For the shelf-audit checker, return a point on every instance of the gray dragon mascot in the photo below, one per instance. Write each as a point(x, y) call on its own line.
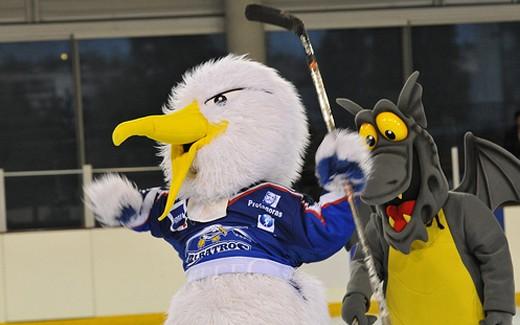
point(442, 255)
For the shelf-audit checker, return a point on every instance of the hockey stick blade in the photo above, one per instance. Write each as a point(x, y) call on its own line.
point(273, 16)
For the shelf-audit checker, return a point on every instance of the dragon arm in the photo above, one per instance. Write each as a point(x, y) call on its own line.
point(359, 281)
point(488, 244)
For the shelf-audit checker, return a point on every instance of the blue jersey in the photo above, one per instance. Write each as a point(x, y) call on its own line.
point(267, 222)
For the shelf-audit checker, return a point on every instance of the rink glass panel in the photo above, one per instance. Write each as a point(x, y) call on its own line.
point(121, 79)
point(470, 74)
point(37, 132)
point(363, 65)
point(44, 202)
point(37, 122)
point(127, 78)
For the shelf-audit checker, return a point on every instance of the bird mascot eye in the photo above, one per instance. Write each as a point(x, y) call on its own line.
point(391, 126)
point(368, 132)
point(220, 100)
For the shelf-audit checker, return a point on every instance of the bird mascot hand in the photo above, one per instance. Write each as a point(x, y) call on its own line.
point(497, 318)
point(342, 157)
point(115, 201)
point(355, 307)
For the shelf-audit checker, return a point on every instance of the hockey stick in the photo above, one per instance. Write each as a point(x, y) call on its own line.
point(285, 20)
point(292, 23)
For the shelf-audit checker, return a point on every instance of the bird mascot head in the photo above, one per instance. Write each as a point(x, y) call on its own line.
point(230, 123)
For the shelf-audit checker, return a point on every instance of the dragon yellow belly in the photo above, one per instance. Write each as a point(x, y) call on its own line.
point(431, 285)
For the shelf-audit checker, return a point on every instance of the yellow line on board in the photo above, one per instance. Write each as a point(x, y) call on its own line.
point(146, 319)
point(158, 319)
point(335, 309)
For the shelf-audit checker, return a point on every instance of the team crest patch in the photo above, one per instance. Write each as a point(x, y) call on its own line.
point(271, 199)
point(265, 222)
point(216, 239)
point(178, 216)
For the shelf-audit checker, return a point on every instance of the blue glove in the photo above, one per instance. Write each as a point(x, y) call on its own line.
point(127, 215)
point(341, 158)
point(114, 200)
point(132, 218)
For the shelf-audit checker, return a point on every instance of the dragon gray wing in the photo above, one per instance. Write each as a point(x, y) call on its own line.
point(491, 172)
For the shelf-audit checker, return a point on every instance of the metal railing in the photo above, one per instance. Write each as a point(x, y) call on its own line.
point(88, 172)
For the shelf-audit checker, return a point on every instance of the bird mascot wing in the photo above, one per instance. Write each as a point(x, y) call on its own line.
point(491, 172)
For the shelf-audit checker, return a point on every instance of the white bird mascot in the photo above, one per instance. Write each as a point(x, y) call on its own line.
point(232, 139)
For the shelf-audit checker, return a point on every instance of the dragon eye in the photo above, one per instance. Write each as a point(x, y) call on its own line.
point(391, 126)
point(220, 100)
point(368, 132)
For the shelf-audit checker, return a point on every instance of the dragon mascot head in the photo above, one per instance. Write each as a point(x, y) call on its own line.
point(406, 164)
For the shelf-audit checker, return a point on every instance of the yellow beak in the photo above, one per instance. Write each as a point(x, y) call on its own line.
point(185, 126)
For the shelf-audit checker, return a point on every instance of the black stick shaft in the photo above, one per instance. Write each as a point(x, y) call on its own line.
point(275, 17)
point(317, 80)
point(285, 20)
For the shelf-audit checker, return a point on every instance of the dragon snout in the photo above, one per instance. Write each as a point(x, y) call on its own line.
point(389, 178)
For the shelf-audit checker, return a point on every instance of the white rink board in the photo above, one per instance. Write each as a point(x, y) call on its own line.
point(103, 272)
point(48, 275)
point(512, 228)
point(134, 273)
point(333, 273)
point(2, 288)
